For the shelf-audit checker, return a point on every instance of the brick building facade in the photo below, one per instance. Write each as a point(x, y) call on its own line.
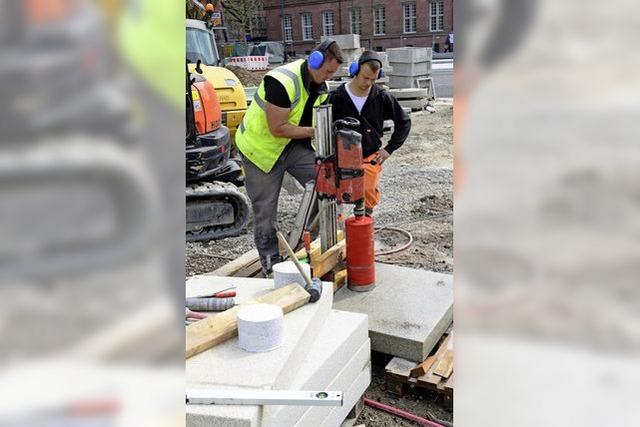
point(381, 24)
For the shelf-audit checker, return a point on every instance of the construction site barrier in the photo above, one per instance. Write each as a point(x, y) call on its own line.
point(251, 63)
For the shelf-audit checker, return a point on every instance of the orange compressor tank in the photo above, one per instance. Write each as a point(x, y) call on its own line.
point(361, 273)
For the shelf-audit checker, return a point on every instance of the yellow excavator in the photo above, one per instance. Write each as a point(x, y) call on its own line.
point(201, 45)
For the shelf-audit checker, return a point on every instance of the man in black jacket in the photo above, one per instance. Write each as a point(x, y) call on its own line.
point(362, 99)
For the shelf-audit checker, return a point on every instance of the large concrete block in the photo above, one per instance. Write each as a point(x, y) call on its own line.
point(409, 93)
point(353, 383)
point(409, 54)
point(343, 342)
point(350, 55)
point(384, 58)
point(408, 310)
point(413, 104)
point(410, 69)
point(223, 416)
point(337, 415)
point(397, 82)
point(345, 41)
point(228, 366)
point(333, 417)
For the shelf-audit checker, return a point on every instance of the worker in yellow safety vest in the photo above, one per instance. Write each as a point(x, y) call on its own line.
point(275, 135)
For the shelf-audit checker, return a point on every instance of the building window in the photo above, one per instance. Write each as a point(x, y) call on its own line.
point(307, 27)
point(355, 21)
point(327, 23)
point(378, 21)
point(288, 29)
point(437, 16)
point(409, 17)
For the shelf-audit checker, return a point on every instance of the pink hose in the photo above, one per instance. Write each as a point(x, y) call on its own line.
point(399, 412)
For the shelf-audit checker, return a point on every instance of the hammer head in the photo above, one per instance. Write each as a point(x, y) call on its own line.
point(314, 290)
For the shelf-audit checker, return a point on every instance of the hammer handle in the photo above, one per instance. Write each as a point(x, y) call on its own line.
point(293, 257)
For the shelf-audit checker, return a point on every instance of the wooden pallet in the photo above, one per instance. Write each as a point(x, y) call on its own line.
point(435, 373)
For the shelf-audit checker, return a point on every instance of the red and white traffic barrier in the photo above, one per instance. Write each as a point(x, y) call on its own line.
point(251, 63)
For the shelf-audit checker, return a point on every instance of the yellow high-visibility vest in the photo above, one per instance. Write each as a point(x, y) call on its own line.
point(253, 138)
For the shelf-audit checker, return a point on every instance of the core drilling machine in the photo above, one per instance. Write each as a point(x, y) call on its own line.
point(340, 180)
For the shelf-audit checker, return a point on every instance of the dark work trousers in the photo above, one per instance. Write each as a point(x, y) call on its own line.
point(264, 189)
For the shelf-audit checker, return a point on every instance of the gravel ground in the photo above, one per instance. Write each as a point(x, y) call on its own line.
point(417, 196)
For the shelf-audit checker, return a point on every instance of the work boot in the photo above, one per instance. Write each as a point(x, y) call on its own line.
point(368, 212)
point(268, 262)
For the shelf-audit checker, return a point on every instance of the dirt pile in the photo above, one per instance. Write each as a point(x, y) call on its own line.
point(246, 77)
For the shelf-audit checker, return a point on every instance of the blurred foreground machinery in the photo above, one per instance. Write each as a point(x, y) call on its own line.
point(74, 197)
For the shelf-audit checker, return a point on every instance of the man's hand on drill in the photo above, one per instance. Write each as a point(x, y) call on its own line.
point(381, 156)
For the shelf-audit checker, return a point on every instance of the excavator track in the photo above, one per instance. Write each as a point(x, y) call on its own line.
point(215, 210)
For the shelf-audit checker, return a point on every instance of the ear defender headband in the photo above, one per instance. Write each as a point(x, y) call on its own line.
point(316, 59)
point(354, 67)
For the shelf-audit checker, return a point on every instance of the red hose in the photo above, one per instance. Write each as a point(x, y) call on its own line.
point(399, 412)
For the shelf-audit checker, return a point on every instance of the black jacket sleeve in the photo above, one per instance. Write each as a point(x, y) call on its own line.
point(401, 122)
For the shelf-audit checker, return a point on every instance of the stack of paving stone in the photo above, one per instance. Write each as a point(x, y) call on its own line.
point(323, 349)
point(351, 51)
point(411, 98)
point(411, 68)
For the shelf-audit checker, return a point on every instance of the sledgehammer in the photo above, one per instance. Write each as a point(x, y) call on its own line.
point(314, 286)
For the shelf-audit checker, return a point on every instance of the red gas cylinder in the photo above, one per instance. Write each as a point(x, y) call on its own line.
point(361, 271)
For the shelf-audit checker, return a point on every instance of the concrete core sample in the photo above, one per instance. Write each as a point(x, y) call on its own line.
point(408, 310)
point(260, 327)
point(285, 273)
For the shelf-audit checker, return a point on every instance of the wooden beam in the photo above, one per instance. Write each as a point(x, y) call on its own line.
point(207, 333)
point(430, 377)
point(328, 260)
point(423, 368)
point(445, 365)
point(339, 280)
point(315, 247)
point(232, 267)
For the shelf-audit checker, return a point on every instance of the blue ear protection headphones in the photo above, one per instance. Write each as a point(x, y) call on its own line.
point(316, 59)
point(354, 67)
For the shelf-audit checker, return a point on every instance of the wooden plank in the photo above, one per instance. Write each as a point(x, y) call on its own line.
point(252, 270)
point(430, 377)
point(328, 260)
point(445, 365)
point(315, 247)
point(422, 368)
point(232, 267)
point(340, 280)
point(207, 333)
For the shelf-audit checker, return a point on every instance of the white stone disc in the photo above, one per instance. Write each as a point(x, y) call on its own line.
point(260, 327)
